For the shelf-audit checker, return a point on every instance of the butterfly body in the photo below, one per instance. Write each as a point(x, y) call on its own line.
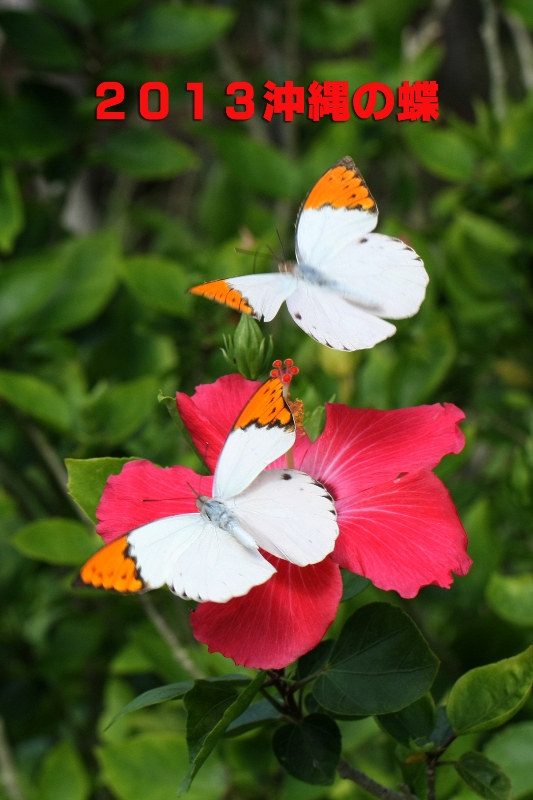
point(346, 281)
point(218, 513)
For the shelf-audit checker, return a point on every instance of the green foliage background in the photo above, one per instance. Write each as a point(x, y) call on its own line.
point(104, 225)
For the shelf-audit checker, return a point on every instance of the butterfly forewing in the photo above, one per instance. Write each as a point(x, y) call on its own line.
point(263, 432)
point(257, 295)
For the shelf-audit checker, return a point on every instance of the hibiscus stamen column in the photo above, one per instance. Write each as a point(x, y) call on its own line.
point(285, 371)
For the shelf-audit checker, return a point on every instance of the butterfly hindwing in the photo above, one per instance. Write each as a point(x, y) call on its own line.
point(263, 431)
point(112, 567)
point(334, 322)
point(289, 514)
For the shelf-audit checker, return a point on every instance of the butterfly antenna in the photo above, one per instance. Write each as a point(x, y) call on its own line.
point(193, 490)
point(281, 243)
point(205, 462)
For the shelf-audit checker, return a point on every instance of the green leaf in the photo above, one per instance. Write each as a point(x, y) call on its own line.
point(29, 129)
point(255, 715)
point(257, 165)
point(73, 10)
point(25, 286)
point(119, 411)
point(512, 749)
point(63, 775)
point(425, 365)
point(11, 209)
point(521, 7)
point(159, 283)
point(146, 154)
point(56, 541)
point(380, 664)
point(88, 279)
point(105, 11)
point(511, 597)
point(484, 777)
point(442, 733)
point(443, 153)
point(334, 26)
point(413, 722)
point(309, 750)
point(487, 697)
point(315, 660)
point(211, 707)
point(172, 691)
point(39, 40)
point(36, 398)
point(87, 479)
point(149, 766)
point(175, 29)
point(352, 584)
point(314, 424)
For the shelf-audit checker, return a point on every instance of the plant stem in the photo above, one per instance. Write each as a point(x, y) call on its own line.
point(489, 35)
point(350, 773)
point(431, 775)
point(54, 466)
point(8, 770)
point(180, 653)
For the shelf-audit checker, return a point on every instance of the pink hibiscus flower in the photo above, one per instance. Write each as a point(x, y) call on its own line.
point(398, 525)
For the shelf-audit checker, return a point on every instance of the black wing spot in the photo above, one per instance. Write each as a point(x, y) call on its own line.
point(286, 477)
point(362, 241)
point(298, 315)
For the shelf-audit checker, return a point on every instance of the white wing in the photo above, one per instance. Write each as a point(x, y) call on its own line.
point(289, 514)
point(264, 431)
point(335, 322)
point(380, 273)
point(196, 559)
point(258, 295)
point(323, 232)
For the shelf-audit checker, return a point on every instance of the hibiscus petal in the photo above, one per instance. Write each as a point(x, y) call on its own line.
point(211, 413)
point(142, 493)
point(212, 410)
point(362, 447)
point(277, 622)
point(403, 534)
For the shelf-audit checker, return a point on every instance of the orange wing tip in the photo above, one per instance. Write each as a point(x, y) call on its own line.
point(342, 186)
point(112, 568)
point(221, 292)
point(267, 408)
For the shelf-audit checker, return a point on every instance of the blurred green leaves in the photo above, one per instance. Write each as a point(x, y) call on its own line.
point(160, 283)
point(64, 775)
point(146, 153)
point(56, 541)
point(168, 29)
point(11, 209)
point(39, 40)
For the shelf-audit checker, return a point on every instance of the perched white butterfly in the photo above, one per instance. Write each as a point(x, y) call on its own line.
point(214, 554)
point(345, 279)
